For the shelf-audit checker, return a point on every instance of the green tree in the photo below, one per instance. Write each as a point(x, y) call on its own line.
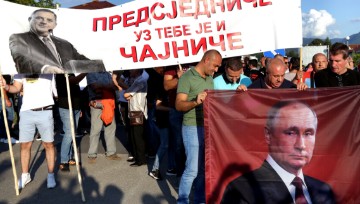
point(292, 53)
point(39, 3)
point(317, 41)
point(327, 42)
point(356, 58)
point(259, 55)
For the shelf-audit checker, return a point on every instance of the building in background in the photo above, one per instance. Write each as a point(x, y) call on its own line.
point(95, 4)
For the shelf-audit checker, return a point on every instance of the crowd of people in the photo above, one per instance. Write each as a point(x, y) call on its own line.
point(169, 100)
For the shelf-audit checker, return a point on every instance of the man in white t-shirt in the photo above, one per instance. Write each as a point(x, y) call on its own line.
point(35, 112)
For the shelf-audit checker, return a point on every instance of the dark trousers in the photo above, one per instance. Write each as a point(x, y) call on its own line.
point(124, 112)
point(138, 142)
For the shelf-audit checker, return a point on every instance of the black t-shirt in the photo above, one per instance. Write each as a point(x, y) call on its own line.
point(155, 84)
point(327, 78)
point(159, 93)
point(260, 84)
point(162, 116)
point(62, 92)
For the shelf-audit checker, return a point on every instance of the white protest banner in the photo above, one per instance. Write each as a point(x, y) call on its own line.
point(161, 33)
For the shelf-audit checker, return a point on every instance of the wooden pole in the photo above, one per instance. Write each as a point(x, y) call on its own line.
point(180, 67)
point(9, 138)
point(73, 137)
point(301, 64)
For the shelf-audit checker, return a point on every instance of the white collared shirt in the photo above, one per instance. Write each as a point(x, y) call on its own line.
point(50, 40)
point(287, 178)
point(52, 45)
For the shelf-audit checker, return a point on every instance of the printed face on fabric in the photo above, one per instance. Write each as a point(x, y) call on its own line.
point(41, 22)
point(291, 139)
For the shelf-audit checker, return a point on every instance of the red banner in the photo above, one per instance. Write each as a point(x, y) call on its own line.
point(235, 139)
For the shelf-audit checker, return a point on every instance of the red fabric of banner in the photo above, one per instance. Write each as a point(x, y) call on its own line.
point(235, 143)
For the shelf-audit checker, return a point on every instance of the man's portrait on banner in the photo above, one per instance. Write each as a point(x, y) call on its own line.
point(38, 51)
point(290, 134)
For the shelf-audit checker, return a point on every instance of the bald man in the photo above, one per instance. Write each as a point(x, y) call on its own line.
point(274, 79)
point(319, 62)
point(189, 99)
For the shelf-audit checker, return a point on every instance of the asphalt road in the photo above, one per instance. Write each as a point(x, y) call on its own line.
point(108, 182)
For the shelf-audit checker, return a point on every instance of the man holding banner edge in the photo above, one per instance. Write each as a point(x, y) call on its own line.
point(189, 99)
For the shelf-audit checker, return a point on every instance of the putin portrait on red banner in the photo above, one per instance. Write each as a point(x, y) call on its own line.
point(290, 132)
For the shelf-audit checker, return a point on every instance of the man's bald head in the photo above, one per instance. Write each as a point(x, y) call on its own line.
point(210, 63)
point(275, 70)
point(319, 62)
point(275, 64)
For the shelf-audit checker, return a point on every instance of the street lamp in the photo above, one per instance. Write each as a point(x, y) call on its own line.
point(347, 40)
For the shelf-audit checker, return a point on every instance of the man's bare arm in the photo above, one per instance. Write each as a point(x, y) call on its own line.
point(182, 103)
point(170, 82)
point(14, 88)
point(77, 79)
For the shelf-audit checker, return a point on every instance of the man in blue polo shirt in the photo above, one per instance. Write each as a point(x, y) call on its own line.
point(233, 76)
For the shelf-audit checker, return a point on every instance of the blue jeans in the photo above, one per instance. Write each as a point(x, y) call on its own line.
point(176, 141)
point(164, 146)
point(10, 118)
point(10, 111)
point(66, 148)
point(152, 131)
point(194, 173)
